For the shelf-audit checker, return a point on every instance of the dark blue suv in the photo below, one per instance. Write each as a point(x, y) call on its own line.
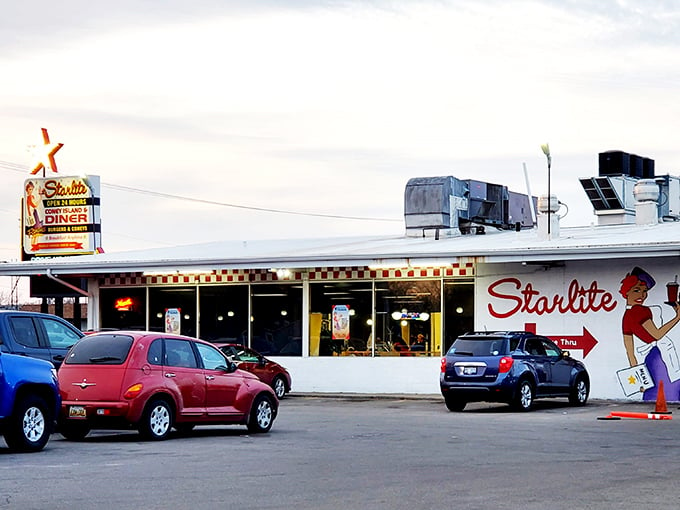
point(514, 367)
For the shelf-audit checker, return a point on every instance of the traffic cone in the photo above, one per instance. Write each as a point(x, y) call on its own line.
point(661, 407)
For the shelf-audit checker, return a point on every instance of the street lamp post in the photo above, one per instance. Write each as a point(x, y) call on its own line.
point(546, 150)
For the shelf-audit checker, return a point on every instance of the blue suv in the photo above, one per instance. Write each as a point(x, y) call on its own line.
point(514, 367)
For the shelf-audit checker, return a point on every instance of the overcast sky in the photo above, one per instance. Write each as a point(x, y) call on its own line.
point(325, 107)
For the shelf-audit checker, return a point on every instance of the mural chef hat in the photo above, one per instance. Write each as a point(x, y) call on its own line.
point(643, 276)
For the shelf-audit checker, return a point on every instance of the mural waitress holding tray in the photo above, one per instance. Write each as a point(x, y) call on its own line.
point(657, 351)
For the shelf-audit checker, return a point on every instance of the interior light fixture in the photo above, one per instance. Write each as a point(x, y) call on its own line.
point(230, 313)
point(284, 312)
point(459, 309)
point(220, 318)
point(282, 274)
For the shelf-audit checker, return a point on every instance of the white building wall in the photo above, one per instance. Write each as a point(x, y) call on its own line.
point(578, 305)
point(575, 303)
point(346, 374)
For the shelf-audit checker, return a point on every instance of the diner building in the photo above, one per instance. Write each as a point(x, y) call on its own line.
point(375, 314)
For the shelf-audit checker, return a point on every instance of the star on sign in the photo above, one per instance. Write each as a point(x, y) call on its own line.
point(44, 154)
point(631, 380)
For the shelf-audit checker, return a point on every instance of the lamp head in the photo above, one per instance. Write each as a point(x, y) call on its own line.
point(546, 150)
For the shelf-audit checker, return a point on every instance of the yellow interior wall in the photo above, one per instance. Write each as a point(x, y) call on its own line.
point(315, 320)
point(435, 331)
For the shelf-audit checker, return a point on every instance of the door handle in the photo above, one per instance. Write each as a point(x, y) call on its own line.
point(170, 374)
point(210, 377)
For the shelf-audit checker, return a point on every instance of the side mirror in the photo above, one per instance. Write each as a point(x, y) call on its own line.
point(565, 354)
point(261, 361)
point(229, 367)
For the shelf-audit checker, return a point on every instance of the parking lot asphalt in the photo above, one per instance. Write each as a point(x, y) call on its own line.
point(356, 451)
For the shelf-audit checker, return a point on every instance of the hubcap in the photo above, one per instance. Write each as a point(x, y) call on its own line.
point(582, 391)
point(279, 388)
point(525, 395)
point(159, 420)
point(34, 424)
point(264, 414)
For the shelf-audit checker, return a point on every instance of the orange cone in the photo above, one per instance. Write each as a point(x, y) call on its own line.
point(661, 407)
point(643, 416)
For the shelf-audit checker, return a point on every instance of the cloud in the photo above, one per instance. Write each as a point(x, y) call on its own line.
point(327, 106)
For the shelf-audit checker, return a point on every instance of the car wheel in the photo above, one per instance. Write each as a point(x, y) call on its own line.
point(29, 427)
point(73, 431)
point(261, 415)
point(579, 392)
point(279, 386)
point(524, 397)
point(156, 421)
point(454, 404)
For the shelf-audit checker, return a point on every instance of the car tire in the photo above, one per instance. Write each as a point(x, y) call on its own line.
point(524, 397)
point(73, 431)
point(261, 415)
point(30, 425)
point(454, 404)
point(578, 395)
point(279, 387)
point(156, 421)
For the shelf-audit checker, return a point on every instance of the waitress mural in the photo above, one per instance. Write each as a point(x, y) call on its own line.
point(652, 355)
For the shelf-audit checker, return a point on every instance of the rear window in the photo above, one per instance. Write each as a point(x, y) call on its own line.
point(100, 350)
point(479, 347)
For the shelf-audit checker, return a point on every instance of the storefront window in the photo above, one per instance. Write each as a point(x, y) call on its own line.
point(224, 313)
point(276, 319)
point(341, 319)
point(459, 313)
point(123, 308)
point(407, 318)
point(176, 303)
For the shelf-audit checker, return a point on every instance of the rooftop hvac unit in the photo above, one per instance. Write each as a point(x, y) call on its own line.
point(451, 204)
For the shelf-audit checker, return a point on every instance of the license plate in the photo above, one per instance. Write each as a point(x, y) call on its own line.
point(77, 412)
point(469, 370)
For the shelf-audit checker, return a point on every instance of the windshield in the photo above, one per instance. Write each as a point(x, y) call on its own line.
point(479, 347)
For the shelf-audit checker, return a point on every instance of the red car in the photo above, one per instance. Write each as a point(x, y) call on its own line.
point(267, 370)
point(155, 381)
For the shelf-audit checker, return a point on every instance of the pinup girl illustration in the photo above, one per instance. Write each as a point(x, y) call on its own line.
point(32, 206)
point(656, 351)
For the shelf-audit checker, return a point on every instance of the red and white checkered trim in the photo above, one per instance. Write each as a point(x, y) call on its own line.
point(261, 275)
point(346, 273)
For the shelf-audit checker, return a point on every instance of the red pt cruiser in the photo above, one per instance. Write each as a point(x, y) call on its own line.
point(154, 382)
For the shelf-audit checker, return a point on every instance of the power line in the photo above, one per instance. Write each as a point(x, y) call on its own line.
point(7, 165)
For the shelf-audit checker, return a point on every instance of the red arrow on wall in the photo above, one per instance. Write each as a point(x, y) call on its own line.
point(585, 342)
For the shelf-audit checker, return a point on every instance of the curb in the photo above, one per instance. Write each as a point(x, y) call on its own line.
point(368, 396)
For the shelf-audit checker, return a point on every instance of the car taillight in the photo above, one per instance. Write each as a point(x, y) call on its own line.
point(505, 364)
point(133, 391)
point(443, 366)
